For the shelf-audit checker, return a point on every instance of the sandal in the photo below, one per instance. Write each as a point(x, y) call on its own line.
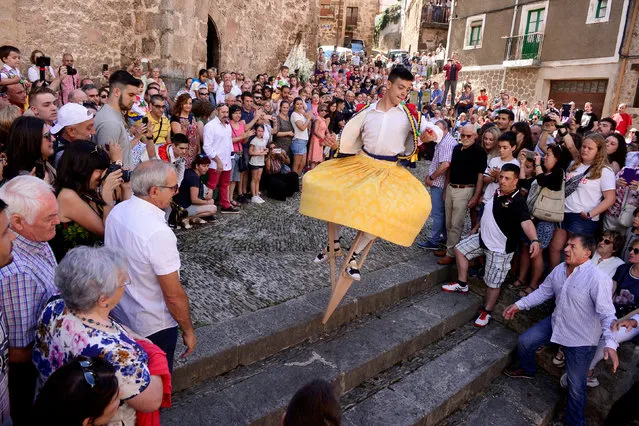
point(525, 292)
point(235, 203)
point(515, 285)
point(198, 221)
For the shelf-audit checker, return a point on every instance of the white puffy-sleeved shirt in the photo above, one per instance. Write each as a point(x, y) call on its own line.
point(218, 142)
point(385, 133)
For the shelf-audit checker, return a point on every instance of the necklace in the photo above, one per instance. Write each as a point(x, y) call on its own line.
point(94, 322)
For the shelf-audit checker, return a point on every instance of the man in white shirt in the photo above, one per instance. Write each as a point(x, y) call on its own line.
point(225, 88)
point(154, 304)
point(218, 146)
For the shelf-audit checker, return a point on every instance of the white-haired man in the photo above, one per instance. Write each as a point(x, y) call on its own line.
point(27, 283)
point(154, 304)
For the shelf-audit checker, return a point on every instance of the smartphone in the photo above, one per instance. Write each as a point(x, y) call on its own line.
point(105, 67)
point(145, 120)
point(629, 175)
point(565, 110)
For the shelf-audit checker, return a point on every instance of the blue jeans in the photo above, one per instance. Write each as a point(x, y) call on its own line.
point(578, 361)
point(438, 214)
point(167, 341)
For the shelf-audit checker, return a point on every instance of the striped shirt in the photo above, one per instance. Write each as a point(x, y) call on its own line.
point(443, 154)
point(583, 305)
point(26, 285)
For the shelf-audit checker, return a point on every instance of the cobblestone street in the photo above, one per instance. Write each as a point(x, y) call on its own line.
point(263, 257)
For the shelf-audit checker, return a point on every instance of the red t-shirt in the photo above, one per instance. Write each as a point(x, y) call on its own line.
point(623, 120)
point(483, 99)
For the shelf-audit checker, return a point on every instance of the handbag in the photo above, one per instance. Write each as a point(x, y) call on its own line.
point(547, 205)
point(627, 210)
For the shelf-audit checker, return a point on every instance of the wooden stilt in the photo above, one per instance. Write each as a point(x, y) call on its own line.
point(331, 252)
point(344, 281)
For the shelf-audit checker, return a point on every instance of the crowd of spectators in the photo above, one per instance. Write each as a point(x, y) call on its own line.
point(552, 196)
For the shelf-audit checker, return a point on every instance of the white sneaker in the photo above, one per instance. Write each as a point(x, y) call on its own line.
point(592, 382)
point(353, 269)
point(323, 256)
point(455, 288)
point(483, 319)
point(257, 200)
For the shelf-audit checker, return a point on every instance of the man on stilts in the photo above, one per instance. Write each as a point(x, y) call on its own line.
point(365, 188)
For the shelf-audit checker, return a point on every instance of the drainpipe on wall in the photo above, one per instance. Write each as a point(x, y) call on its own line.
point(624, 53)
point(512, 33)
point(450, 27)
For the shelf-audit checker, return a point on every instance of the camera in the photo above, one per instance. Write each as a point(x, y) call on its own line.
point(126, 174)
point(71, 70)
point(43, 61)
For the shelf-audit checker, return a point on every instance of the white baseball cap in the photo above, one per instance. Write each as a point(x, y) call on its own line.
point(70, 115)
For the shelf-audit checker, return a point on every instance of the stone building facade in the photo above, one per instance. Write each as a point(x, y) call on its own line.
point(424, 27)
point(345, 20)
point(179, 36)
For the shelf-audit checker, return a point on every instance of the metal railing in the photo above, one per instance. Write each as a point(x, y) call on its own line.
point(527, 46)
point(434, 12)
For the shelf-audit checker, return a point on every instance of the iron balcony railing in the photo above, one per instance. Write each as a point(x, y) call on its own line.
point(527, 46)
point(434, 12)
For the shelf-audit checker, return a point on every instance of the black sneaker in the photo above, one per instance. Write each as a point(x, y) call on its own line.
point(229, 210)
point(517, 373)
point(243, 199)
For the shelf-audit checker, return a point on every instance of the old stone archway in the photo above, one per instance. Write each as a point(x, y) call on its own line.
point(212, 45)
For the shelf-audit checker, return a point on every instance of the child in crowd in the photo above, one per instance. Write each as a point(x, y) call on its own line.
point(507, 143)
point(10, 73)
point(175, 153)
point(257, 151)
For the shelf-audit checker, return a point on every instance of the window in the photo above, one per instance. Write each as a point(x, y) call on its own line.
point(602, 7)
point(598, 11)
point(474, 32)
point(535, 22)
point(326, 8)
point(351, 16)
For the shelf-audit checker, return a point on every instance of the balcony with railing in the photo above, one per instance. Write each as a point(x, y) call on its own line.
point(523, 50)
point(435, 15)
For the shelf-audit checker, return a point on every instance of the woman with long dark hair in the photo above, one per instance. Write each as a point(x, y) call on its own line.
point(616, 149)
point(524, 137)
point(183, 121)
point(84, 391)
point(29, 146)
point(86, 187)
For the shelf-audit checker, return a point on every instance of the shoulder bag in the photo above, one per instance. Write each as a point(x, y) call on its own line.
point(546, 204)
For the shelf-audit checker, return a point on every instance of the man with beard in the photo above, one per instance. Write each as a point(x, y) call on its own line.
point(109, 121)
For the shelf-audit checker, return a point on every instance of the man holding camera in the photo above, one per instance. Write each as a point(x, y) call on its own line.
point(69, 78)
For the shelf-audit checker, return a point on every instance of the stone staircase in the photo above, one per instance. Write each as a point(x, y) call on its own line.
point(398, 352)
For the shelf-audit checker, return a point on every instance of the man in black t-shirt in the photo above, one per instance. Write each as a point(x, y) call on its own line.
point(505, 216)
point(463, 189)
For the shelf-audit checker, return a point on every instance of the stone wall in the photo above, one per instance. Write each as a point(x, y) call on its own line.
point(431, 37)
point(333, 27)
point(517, 82)
point(412, 20)
point(171, 33)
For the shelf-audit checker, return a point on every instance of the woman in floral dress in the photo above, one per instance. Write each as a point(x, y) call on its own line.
point(91, 282)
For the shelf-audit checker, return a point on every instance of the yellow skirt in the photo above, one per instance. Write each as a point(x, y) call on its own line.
point(374, 196)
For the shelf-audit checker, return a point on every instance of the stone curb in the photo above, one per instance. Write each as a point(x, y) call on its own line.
point(246, 339)
point(438, 388)
point(346, 361)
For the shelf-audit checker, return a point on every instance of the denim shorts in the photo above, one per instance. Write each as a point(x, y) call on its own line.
point(575, 224)
point(298, 146)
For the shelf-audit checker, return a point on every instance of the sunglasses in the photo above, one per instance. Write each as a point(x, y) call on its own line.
point(104, 96)
point(48, 135)
point(633, 250)
point(158, 106)
point(89, 375)
point(605, 241)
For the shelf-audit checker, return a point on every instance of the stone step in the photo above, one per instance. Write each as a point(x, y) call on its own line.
point(259, 394)
point(246, 339)
point(511, 402)
point(435, 390)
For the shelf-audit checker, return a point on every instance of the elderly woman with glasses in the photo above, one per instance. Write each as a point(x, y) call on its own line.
point(91, 282)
